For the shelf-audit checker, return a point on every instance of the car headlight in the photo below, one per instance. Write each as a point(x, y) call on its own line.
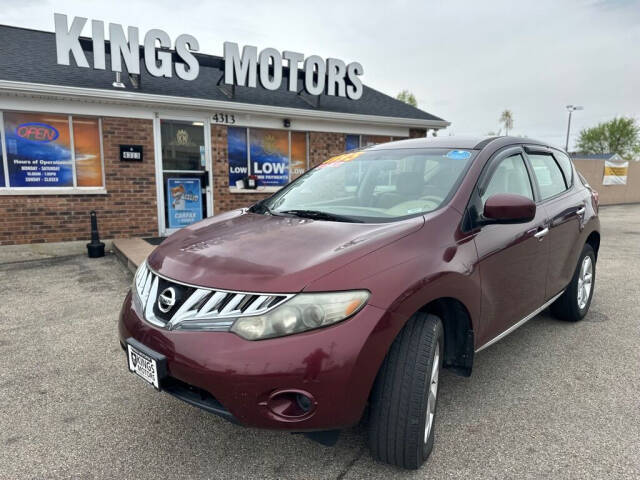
point(305, 311)
point(138, 280)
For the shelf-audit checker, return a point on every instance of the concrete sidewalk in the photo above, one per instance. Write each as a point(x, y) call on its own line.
point(43, 251)
point(130, 251)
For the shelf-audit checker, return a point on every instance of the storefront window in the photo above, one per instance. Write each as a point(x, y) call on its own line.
point(43, 153)
point(352, 142)
point(237, 151)
point(86, 142)
point(270, 156)
point(182, 145)
point(38, 150)
point(356, 141)
point(298, 154)
point(275, 157)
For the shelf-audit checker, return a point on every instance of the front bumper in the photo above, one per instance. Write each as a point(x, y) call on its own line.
point(336, 366)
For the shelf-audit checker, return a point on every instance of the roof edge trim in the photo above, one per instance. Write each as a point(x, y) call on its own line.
point(204, 104)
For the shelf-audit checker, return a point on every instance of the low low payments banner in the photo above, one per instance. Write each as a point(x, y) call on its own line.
point(615, 173)
point(184, 201)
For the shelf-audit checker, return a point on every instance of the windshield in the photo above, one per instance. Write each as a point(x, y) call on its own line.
point(373, 186)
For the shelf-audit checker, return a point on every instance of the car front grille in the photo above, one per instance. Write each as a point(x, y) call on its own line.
point(190, 307)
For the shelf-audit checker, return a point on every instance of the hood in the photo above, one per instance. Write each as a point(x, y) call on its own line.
point(271, 254)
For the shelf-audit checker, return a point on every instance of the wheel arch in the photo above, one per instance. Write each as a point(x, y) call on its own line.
point(458, 333)
point(594, 240)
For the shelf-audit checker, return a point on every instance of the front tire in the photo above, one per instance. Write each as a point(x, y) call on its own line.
point(405, 394)
point(574, 303)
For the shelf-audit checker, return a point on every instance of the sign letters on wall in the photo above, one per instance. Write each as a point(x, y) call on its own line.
point(330, 77)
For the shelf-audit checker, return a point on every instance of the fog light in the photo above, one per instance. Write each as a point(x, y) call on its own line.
point(291, 405)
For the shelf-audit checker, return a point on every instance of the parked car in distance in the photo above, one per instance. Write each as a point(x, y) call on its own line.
point(357, 283)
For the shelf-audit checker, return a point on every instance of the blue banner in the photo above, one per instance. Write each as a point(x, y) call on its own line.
point(38, 150)
point(270, 157)
point(184, 201)
point(237, 150)
point(352, 142)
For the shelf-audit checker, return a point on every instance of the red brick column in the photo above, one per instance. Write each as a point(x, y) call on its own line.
point(323, 145)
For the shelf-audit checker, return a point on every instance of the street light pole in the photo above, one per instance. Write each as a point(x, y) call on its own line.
point(570, 109)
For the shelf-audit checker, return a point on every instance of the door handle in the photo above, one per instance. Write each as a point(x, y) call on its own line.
point(541, 233)
point(580, 211)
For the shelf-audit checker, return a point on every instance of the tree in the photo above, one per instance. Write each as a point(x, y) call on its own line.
point(506, 118)
point(620, 135)
point(407, 97)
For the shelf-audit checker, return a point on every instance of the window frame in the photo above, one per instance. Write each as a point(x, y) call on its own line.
point(537, 150)
point(570, 182)
point(494, 167)
point(7, 189)
point(472, 218)
point(268, 189)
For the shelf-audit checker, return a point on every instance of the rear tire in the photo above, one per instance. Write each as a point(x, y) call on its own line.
point(574, 303)
point(404, 396)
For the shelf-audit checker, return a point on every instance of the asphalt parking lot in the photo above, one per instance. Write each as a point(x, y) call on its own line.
point(552, 400)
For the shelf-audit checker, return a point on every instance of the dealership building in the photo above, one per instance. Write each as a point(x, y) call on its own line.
point(154, 135)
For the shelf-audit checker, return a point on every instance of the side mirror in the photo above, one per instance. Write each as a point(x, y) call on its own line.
point(509, 208)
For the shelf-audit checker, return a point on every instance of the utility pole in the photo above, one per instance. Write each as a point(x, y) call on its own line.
point(570, 109)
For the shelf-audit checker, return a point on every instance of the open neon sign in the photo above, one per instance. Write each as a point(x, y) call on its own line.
point(37, 132)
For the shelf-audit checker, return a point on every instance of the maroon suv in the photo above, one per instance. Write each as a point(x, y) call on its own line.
point(355, 284)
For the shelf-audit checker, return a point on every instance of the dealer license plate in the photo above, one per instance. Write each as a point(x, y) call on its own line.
point(143, 365)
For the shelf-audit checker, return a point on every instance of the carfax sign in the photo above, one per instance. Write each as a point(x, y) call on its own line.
point(184, 201)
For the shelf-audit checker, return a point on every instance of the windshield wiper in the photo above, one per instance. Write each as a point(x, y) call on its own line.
point(318, 215)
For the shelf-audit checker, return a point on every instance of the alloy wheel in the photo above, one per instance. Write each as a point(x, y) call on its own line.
point(432, 393)
point(585, 282)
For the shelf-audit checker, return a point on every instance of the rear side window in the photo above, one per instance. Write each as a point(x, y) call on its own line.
point(565, 165)
point(548, 174)
point(510, 176)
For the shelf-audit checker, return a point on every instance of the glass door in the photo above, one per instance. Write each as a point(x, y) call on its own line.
point(185, 173)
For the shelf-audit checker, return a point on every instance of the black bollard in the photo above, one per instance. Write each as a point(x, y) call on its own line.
point(95, 249)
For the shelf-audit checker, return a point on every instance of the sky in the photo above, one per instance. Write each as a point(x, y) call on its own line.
point(465, 61)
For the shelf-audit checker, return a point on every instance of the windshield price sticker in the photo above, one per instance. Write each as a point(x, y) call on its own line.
point(340, 159)
point(458, 154)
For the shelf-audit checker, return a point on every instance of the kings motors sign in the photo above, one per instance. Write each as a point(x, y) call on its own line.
point(330, 77)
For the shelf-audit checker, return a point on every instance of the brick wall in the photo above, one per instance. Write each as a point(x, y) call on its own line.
point(324, 145)
point(128, 208)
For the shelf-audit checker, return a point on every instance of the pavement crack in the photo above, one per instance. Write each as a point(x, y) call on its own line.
point(350, 465)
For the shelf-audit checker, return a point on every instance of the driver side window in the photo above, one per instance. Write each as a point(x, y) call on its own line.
point(511, 176)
